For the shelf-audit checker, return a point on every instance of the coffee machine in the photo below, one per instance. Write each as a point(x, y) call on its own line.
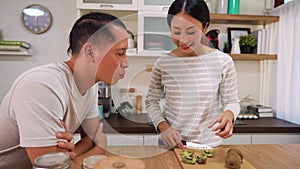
point(104, 96)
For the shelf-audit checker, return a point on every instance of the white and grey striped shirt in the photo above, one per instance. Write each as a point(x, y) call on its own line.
point(197, 90)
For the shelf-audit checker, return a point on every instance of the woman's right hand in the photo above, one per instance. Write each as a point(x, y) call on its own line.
point(169, 135)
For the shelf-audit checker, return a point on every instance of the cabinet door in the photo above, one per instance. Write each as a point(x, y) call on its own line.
point(238, 139)
point(154, 37)
point(108, 4)
point(124, 139)
point(155, 5)
point(276, 138)
point(151, 139)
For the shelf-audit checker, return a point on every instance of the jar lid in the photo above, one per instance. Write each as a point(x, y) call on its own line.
point(89, 162)
point(131, 90)
point(123, 90)
point(59, 160)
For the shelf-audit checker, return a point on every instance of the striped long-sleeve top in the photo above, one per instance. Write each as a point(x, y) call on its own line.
point(197, 89)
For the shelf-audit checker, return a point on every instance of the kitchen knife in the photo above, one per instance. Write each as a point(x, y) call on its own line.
point(192, 145)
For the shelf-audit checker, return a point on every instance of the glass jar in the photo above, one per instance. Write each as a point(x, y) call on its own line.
point(211, 4)
point(132, 96)
point(123, 95)
point(52, 161)
point(89, 162)
point(222, 6)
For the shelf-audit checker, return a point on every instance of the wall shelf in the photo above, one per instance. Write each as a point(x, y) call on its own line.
point(243, 19)
point(15, 53)
point(138, 18)
point(253, 57)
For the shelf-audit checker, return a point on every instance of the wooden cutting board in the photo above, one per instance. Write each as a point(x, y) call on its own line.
point(216, 162)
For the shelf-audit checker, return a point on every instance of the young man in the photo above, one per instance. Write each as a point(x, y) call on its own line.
point(45, 98)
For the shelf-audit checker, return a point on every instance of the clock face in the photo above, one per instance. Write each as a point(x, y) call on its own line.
point(36, 18)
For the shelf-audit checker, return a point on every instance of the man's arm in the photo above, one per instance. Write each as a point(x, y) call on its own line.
point(92, 144)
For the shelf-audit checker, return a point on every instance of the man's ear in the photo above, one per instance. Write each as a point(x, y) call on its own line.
point(89, 51)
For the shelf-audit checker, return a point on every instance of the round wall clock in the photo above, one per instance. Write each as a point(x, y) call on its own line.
point(36, 18)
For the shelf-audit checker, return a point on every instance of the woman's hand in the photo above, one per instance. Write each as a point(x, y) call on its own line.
point(225, 127)
point(170, 136)
point(67, 146)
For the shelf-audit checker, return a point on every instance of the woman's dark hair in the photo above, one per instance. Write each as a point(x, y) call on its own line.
point(196, 8)
point(89, 24)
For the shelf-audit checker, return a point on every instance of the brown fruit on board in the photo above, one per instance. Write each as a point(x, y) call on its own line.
point(233, 159)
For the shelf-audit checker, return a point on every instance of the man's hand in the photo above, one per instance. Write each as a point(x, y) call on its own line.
point(225, 127)
point(68, 146)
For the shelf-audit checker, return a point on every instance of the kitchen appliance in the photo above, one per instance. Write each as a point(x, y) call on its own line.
point(213, 38)
point(104, 96)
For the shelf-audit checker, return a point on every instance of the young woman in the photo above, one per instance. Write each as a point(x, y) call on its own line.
point(43, 97)
point(199, 82)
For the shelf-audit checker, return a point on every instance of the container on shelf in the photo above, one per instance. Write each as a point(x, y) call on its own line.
point(132, 96)
point(139, 104)
point(222, 6)
point(233, 6)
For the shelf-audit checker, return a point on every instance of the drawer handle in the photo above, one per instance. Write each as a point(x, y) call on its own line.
point(165, 8)
point(106, 6)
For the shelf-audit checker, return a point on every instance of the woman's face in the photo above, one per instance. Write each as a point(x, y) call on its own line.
point(186, 33)
point(113, 64)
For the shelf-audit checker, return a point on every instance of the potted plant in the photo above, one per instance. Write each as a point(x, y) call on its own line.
point(247, 43)
point(226, 48)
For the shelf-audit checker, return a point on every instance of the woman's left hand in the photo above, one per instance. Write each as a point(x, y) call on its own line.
point(67, 146)
point(225, 127)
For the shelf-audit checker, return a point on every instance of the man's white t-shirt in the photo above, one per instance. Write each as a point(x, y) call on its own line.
point(32, 111)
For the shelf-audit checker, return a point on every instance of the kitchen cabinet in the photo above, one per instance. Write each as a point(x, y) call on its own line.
point(155, 5)
point(151, 139)
point(279, 138)
point(125, 139)
point(108, 4)
point(154, 37)
point(238, 139)
point(263, 138)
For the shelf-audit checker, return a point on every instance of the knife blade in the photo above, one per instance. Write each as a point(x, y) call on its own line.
point(192, 145)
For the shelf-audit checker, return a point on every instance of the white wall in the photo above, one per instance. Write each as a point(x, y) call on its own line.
point(48, 47)
point(51, 47)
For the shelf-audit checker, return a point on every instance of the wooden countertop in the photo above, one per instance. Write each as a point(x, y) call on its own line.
point(275, 156)
point(139, 124)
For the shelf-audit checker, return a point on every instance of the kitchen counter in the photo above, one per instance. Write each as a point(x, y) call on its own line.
point(275, 156)
point(140, 124)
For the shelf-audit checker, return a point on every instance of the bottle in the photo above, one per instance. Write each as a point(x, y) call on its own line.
point(222, 6)
point(233, 6)
point(132, 96)
point(52, 161)
point(100, 109)
point(235, 49)
point(123, 102)
point(139, 104)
